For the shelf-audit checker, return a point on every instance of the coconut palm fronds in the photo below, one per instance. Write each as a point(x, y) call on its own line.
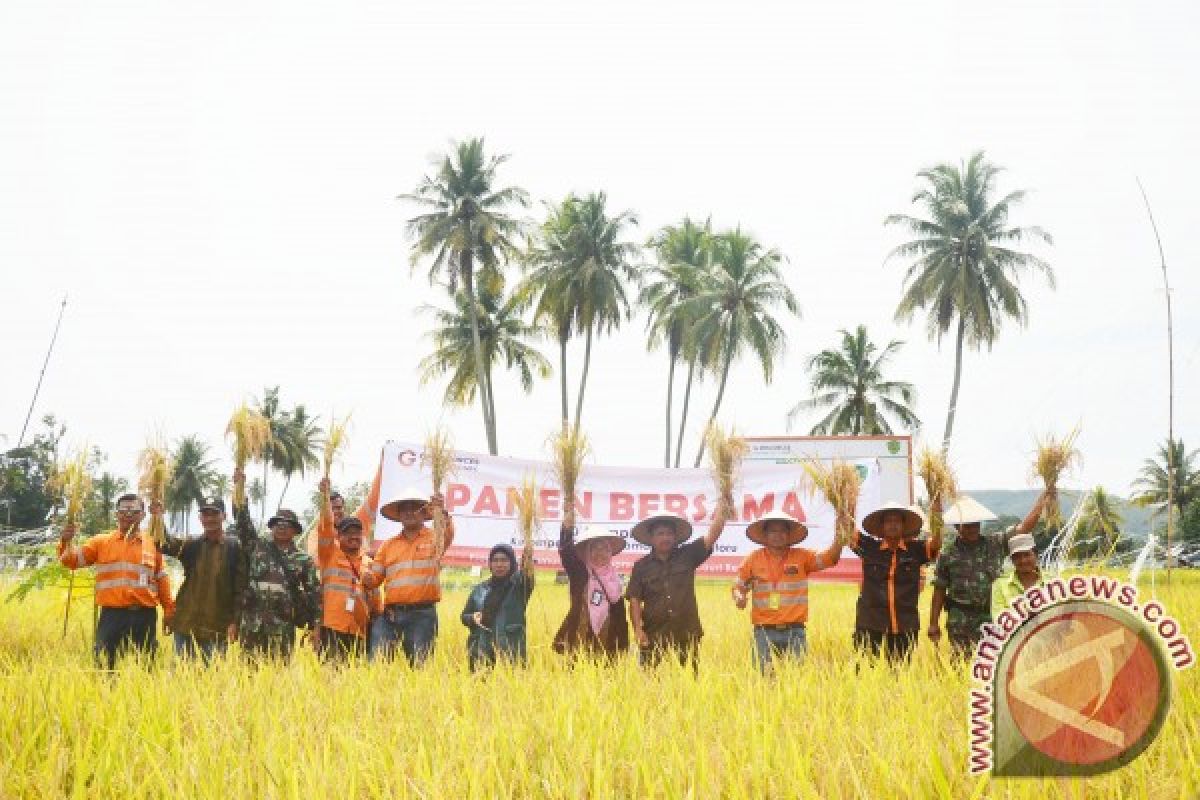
point(1055, 457)
point(726, 451)
point(940, 485)
point(838, 482)
point(251, 433)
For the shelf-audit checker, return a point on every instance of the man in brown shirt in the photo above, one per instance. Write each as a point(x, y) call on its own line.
point(204, 620)
point(662, 587)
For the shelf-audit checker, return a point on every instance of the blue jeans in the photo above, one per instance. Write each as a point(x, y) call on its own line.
point(188, 646)
point(415, 629)
point(772, 643)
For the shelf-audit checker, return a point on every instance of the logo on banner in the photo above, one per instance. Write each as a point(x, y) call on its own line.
point(1075, 679)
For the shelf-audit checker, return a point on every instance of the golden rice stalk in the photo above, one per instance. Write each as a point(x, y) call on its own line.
point(838, 481)
point(74, 482)
point(526, 500)
point(568, 448)
point(335, 442)
point(940, 485)
point(154, 473)
point(725, 453)
point(439, 457)
point(1055, 457)
point(251, 433)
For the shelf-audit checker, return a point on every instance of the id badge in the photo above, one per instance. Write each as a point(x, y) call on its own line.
point(143, 580)
point(773, 602)
point(597, 597)
point(350, 604)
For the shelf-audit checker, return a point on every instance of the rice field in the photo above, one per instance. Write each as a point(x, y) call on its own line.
point(821, 730)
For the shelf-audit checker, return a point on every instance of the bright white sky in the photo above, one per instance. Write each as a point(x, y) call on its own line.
point(216, 188)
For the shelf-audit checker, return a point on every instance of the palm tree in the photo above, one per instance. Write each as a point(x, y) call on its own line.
point(105, 490)
point(1100, 522)
point(965, 271)
point(733, 310)
point(191, 475)
point(502, 334)
point(1153, 481)
point(684, 255)
point(466, 229)
point(269, 407)
point(582, 265)
point(849, 381)
point(296, 446)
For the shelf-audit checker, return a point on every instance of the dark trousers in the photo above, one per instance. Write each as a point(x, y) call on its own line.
point(896, 647)
point(120, 630)
point(685, 649)
point(258, 644)
point(414, 629)
point(340, 647)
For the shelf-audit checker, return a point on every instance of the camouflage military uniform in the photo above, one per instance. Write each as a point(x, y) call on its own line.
point(966, 572)
point(265, 612)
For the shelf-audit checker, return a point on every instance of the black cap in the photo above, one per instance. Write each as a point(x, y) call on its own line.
point(212, 504)
point(285, 516)
point(349, 522)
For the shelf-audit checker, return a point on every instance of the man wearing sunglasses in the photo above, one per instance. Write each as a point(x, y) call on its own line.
point(130, 583)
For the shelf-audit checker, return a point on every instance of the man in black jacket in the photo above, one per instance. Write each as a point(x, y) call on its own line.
point(212, 570)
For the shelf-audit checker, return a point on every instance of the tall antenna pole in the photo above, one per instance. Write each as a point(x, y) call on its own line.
point(42, 374)
point(36, 390)
point(1171, 467)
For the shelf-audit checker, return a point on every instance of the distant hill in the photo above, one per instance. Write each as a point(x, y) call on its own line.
point(1017, 502)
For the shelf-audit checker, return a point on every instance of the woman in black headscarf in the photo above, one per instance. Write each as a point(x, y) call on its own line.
point(495, 611)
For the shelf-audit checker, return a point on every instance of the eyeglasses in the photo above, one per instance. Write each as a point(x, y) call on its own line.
point(129, 511)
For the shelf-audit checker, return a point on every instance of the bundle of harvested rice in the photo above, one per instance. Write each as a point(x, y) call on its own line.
point(940, 485)
point(154, 473)
point(74, 482)
point(838, 482)
point(439, 459)
point(725, 452)
point(335, 442)
point(251, 433)
point(1055, 457)
point(526, 501)
point(568, 448)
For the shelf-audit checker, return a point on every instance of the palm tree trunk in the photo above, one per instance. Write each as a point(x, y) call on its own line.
point(562, 380)
point(720, 388)
point(477, 346)
point(492, 407)
point(262, 510)
point(958, 355)
point(687, 396)
point(670, 390)
point(587, 360)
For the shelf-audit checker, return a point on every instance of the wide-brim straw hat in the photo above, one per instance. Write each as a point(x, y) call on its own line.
point(594, 533)
point(920, 512)
point(683, 528)
point(966, 511)
point(872, 523)
point(391, 509)
point(797, 530)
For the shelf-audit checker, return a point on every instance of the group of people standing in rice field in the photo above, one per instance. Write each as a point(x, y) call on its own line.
point(261, 591)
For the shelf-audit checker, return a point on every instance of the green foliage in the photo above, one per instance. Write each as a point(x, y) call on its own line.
point(25, 498)
point(51, 575)
point(1189, 524)
point(850, 382)
point(1173, 460)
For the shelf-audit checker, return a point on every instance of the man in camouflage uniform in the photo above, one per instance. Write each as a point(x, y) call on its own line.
point(966, 568)
point(281, 590)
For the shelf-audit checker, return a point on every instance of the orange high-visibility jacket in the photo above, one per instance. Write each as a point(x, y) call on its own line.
point(129, 570)
point(347, 602)
point(779, 586)
point(407, 568)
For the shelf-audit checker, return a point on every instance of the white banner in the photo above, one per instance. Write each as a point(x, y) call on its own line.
point(615, 498)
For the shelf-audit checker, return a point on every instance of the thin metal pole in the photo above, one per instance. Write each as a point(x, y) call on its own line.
point(1170, 385)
